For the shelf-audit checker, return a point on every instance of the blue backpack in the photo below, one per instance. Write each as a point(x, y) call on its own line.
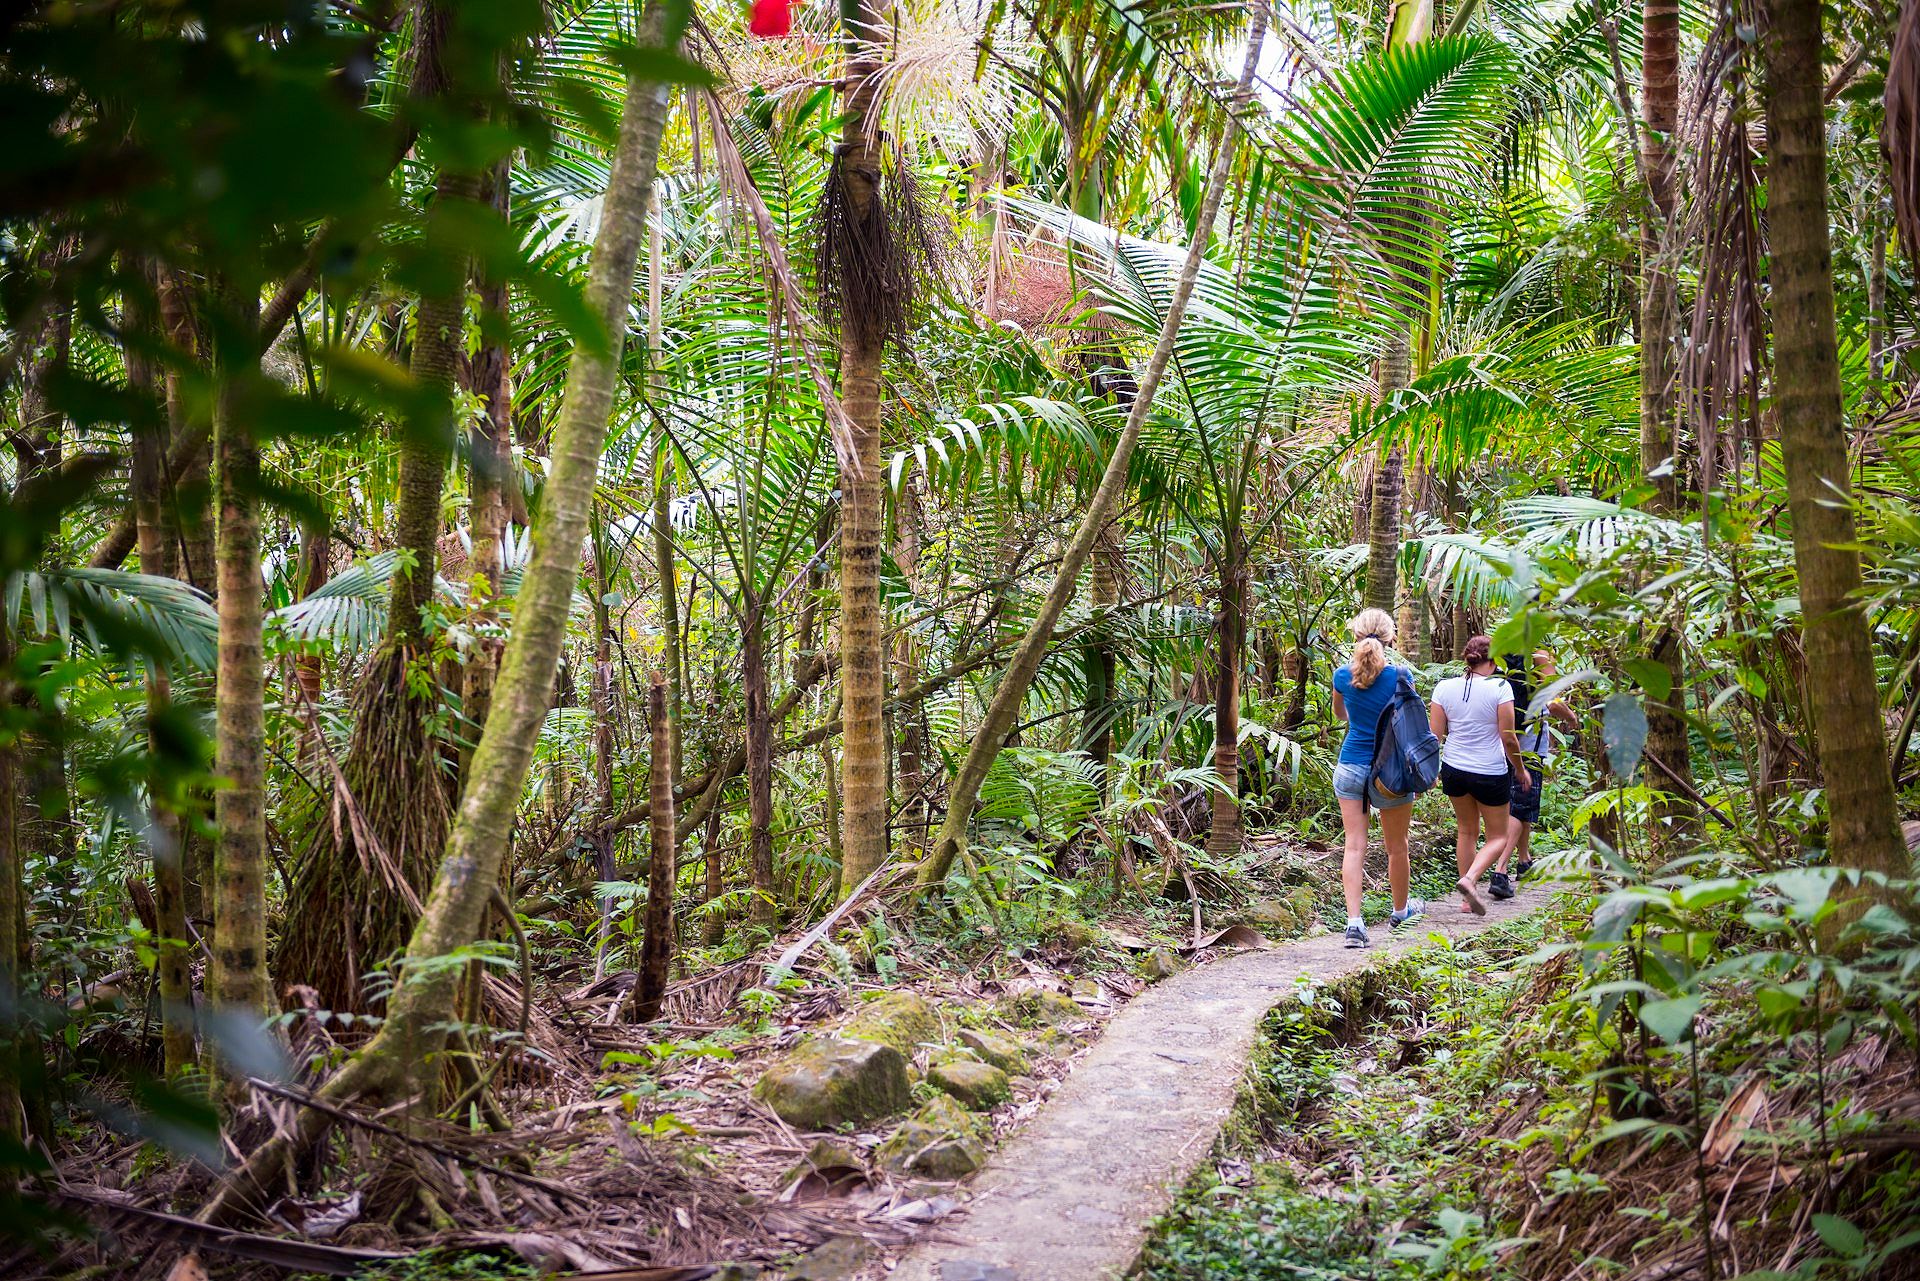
point(1406, 755)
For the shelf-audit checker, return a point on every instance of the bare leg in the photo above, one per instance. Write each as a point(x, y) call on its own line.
point(1466, 827)
point(1520, 848)
point(1353, 865)
point(1393, 832)
point(1498, 838)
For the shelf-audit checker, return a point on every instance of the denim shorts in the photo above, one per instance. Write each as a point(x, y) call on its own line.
point(1351, 783)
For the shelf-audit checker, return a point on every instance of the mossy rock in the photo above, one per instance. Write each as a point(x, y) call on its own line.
point(1044, 1008)
point(1270, 915)
point(937, 1142)
point(827, 1081)
point(902, 1020)
point(1003, 1053)
point(977, 1085)
point(1075, 935)
point(1161, 963)
point(833, 1160)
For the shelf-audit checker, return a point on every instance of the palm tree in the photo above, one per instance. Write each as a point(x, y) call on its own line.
point(1863, 826)
point(1014, 682)
point(867, 285)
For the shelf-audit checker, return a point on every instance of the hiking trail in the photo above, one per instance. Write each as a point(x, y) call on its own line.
point(1070, 1197)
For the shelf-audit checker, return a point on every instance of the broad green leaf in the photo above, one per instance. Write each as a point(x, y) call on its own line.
point(1671, 1020)
point(1623, 726)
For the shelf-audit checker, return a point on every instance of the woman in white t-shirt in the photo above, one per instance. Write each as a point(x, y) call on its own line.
point(1472, 715)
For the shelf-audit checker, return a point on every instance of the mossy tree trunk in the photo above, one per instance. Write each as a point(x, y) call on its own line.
point(238, 980)
point(414, 1032)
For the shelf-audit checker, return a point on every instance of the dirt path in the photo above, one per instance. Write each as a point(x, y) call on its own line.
point(1070, 1197)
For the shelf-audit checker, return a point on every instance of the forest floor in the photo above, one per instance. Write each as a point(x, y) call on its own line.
point(651, 1145)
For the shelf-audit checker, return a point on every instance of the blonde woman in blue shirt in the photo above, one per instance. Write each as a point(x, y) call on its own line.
point(1361, 691)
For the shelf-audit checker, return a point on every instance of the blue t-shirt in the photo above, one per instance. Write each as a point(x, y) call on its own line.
point(1363, 711)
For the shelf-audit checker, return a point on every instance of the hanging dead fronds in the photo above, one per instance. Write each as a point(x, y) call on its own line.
point(875, 246)
point(1902, 128)
point(1723, 360)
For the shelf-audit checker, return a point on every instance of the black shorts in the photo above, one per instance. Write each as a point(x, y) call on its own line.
point(1525, 801)
point(1491, 790)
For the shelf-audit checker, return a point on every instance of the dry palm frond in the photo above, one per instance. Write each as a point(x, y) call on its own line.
point(1902, 136)
point(1721, 368)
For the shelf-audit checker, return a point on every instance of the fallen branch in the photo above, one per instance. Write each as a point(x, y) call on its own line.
point(438, 1149)
point(297, 1256)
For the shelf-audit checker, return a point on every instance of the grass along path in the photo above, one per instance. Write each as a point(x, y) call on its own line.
point(1072, 1196)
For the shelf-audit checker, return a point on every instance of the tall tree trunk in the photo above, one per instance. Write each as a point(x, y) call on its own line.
point(414, 1030)
point(1864, 831)
point(1228, 831)
point(239, 977)
point(914, 807)
point(1003, 711)
point(656, 945)
point(11, 913)
point(1659, 112)
point(863, 671)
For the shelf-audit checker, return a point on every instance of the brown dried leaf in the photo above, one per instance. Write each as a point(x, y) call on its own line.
point(1723, 1137)
point(187, 1268)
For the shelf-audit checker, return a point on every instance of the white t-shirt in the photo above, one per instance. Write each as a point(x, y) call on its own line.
point(1472, 705)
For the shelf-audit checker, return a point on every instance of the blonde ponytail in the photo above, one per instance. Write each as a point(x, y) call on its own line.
point(1372, 631)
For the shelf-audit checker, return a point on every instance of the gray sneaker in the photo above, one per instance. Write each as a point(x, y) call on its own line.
point(1413, 911)
point(1357, 936)
point(1500, 887)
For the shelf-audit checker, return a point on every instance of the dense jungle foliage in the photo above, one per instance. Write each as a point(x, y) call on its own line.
point(548, 543)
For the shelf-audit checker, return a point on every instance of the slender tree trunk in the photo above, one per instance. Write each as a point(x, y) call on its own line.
point(1004, 710)
point(1864, 831)
point(414, 1030)
point(713, 930)
point(765, 907)
point(914, 808)
point(172, 947)
point(863, 671)
point(491, 483)
point(239, 977)
point(1383, 510)
point(1659, 113)
point(656, 945)
point(1228, 830)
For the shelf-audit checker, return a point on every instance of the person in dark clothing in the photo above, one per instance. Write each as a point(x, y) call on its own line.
point(1536, 750)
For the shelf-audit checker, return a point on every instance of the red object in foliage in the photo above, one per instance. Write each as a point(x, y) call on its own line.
point(771, 18)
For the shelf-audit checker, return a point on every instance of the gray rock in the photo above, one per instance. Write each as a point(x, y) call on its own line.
point(836, 1259)
point(1161, 963)
point(937, 1142)
point(830, 1080)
